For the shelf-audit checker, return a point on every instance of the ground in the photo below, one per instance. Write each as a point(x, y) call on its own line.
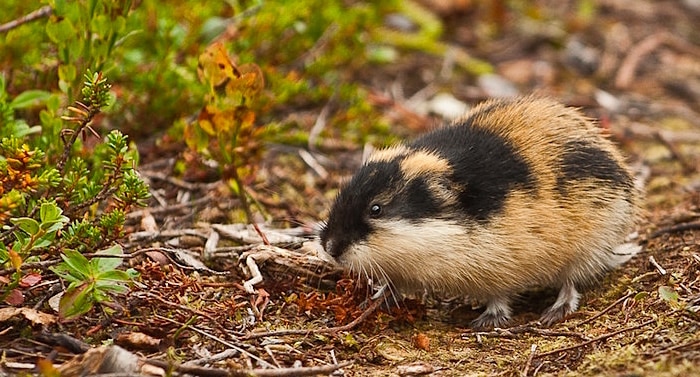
point(635, 68)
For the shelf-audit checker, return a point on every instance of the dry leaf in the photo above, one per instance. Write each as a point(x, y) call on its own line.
point(34, 316)
point(421, 341)
point(138, 340)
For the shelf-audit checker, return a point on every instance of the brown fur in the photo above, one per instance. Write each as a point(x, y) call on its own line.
point(547, 239)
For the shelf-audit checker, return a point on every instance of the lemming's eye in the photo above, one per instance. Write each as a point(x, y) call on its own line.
point(375, 210)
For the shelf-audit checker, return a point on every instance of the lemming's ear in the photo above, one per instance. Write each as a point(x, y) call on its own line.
point(367, 151)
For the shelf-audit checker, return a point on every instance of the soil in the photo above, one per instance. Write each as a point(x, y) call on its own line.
point(633, 65)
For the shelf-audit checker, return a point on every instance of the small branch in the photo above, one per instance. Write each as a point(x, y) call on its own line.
point(625, 75)
point(274, 372)
point(533, 351)
point(607, 309)
point(653, 261)
point(221, 341)
point(153, 296)
point(688, 166)
point(37, 14)
point(511, 333)
point(675, 229)
point(330, 330)
point(594, 340)
point(107, 190)
point(29, 266)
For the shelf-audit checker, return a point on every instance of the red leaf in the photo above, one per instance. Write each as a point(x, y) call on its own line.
point(30, 280)
point(15, 298)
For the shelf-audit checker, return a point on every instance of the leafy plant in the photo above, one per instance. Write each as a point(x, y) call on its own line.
point(89, 193)
point(91, 281)
point(29, 235)
point(226, 129)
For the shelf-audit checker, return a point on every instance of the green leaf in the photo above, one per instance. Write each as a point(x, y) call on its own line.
point(641, 296)
point(113, 277)
point(29, 98)
point(54, 226)
point(668, 294)
point(67, 73)
point(102, 265)
point(44, 241)
point(64, 272)
point(28, 225)
point(49, 212)
point(76, 302)
point(61, 31)
point(78, 265)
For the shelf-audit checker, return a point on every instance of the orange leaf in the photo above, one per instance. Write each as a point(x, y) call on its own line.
point(215, 67)
point(15, 259)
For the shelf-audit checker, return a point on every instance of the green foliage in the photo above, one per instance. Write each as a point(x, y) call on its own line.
point(225, 129)
point(41, 192)
point(91, 281)
point(320, 39)
point(31, 234)
point(150, 52)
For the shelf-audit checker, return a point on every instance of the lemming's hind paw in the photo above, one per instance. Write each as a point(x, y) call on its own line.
point(567, 303)
point(489, 320)
point(555, 314)
point(497, 314)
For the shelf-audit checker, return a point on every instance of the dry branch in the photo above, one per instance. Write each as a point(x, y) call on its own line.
point(35, 15)
point(594, 340)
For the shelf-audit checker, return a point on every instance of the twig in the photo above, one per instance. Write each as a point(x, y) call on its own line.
point(675, 229)
point(222, 341)
point(30, 266)
point(533, 351)
point(514, 331)
point(625, 74)
point(688, 167)
point(677, 347)
point(329, 330)
point(181, 307)
point(598, 339)
point(90, 112)
point(169, 209)
point(275, 372)
point(653, 261)
point(174, 181)
point(607, 309)
point(35, 15)
point(319, 125)
point(226, 354)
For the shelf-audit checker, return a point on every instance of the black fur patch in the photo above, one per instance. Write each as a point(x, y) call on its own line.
point(582, 161)
point(485, 165)
point(348, 221)
point(414, 202)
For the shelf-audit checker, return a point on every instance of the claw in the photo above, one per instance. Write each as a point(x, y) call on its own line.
point(567, 303)
point(497, 314)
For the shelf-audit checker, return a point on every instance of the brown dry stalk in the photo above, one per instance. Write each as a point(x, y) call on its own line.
point(35, 15)
point(608, 308)
point(511, 333)
point(330, 330)
point(273, 372)
point(598, 339)
point(675, 229)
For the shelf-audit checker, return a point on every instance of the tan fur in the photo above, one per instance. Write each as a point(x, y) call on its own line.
point(422, 163)
point(388, 154)
point(538, 240)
